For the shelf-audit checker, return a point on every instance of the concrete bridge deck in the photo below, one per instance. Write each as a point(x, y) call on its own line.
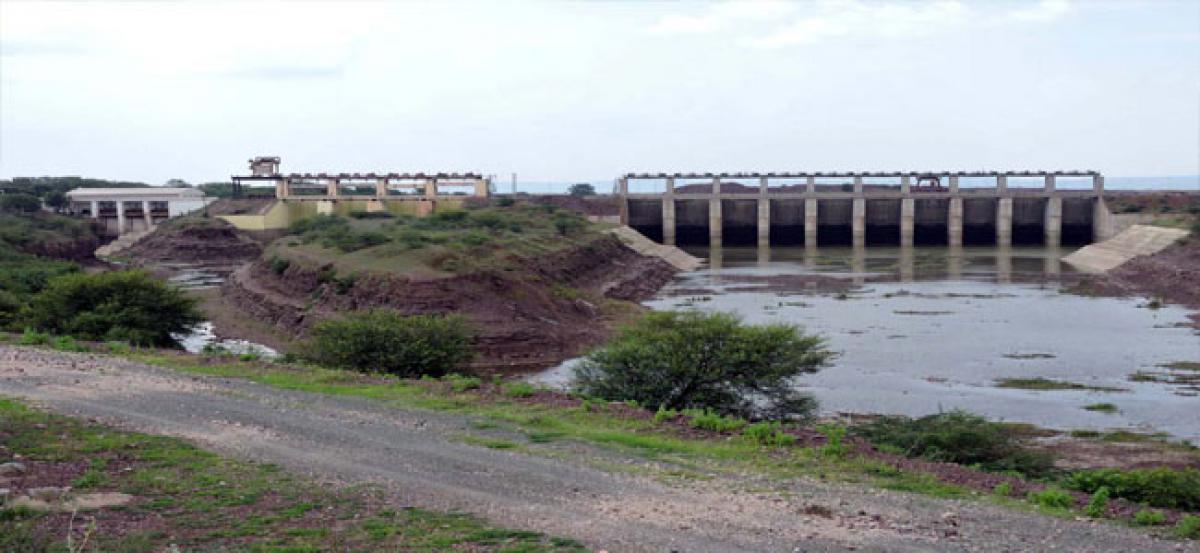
point(916, 207)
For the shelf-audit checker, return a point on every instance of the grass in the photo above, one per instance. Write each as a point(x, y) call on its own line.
point(200, 501)
point(1044, 384)
point(1182, 365)
point(1101, 407)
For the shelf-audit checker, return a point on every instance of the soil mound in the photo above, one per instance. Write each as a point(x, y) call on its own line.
point(557, 307)
point(196, 241)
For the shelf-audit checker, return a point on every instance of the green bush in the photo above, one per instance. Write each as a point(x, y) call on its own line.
point(664, 414)
point(834, 436)
point(708, 420)
point(1188, 527)
point(693, 360)
point(67, 343)
point(769, 434)
point(1158, 487)
point(388, 342)
point(1148, 517)
point(460, 383)
point(1003, 489)
point(1052, 498)
point(958, 437)
point(371, 215)
point(1097, 506)
point(582, 189)
point(519, 389)
point(20, 203)
point(32, 337)
point(279, 265)
point(128, 306)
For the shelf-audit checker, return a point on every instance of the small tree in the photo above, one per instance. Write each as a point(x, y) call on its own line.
point(582, 189)
point(20, 203)
point(129, 306)
point(692, 360)
point(388, 342)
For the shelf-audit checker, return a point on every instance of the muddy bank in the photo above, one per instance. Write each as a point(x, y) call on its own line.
point(198, 241)
point(1173, 275)
point(556, 308)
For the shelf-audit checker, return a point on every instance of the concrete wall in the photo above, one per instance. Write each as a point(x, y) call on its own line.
point(691, 222)
point(646, 216)
point(834, 219)
point(882, 225)
point(739, 222)
point(282, 214)
point(787, 222)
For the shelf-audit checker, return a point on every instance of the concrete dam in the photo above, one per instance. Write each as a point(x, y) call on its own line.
point(866, 209)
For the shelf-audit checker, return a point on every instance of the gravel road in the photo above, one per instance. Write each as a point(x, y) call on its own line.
point(419, 457)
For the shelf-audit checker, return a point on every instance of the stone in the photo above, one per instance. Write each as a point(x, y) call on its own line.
point(12, 469)
point(48, 493)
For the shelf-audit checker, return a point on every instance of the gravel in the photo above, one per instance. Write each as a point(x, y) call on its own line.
point(414, 455)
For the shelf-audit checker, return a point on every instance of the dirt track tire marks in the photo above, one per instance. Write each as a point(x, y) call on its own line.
point(412, 454)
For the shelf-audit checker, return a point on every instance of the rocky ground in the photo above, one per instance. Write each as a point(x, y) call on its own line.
point(424, 459)
point(1172, 275)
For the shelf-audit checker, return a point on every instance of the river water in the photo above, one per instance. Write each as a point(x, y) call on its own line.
point(923, 330)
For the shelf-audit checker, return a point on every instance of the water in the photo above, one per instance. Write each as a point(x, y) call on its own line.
point(930, 329)
point(201, 339)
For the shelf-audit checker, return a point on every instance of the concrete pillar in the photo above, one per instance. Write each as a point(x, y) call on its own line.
point(1050, 183)
point(1004, 211)
point(858, 186)
point(908, 213)
point(810, 222)
point(1098, 184)
point(764, 215)
point(668, 213)
point(1002, 183)
point(281, 190)
point(483, 188)
point(1053, 221)
point(623, 199)
point(954, 184)
point(95, 209)
point(858, 222)
point(764, 222)
point(810, 185)
point(905, 184)
point(146, 214)
point(381, 188)
point(954, 223)
point(120, 217)
point(714, 220)
point(954, 262)
point(331, 188)
point(907, 264)
point(1102, 226)
point(431, 189)
point(1004, 264)
point(286, 186)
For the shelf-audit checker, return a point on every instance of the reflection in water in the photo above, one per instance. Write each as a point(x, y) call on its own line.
point(931, 329)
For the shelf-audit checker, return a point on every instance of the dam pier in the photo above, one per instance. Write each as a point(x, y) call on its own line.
point(865, 209)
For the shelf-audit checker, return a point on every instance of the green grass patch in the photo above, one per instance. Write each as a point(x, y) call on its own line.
point(203, 502)
point(1101, 407)
point(1048, 384)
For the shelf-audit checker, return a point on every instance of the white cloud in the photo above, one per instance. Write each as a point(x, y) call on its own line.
point(853, 18)
point(1044, 12)
point(721, 16)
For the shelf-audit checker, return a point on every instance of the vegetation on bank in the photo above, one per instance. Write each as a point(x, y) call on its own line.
point(386, 341)
point(676, 360)
point(195, 500)
point(445, 242)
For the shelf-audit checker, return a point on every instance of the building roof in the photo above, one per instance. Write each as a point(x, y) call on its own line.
point(144, 192)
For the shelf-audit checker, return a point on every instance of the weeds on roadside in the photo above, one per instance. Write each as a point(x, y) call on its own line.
point(834, 434)
point(1052, 498)
point(708, 420)
point(1097, 506)
point(768, 434)
point(1148, 517)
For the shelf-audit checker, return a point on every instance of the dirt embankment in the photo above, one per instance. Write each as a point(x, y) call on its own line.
point(198, 241)
point(554, 309)
point(1172, 275)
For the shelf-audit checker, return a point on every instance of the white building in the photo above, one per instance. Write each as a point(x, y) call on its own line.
point(125, 210)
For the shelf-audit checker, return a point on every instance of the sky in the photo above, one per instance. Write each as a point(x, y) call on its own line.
point(568, 91)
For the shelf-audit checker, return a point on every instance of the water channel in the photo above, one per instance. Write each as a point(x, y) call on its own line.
point(922, 330)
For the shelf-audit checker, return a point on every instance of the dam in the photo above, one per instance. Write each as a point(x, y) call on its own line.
point(867, 208)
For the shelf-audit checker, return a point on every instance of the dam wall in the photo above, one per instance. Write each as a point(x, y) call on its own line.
point(868, 209)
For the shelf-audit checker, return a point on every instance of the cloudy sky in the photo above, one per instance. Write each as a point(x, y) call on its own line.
point(584, 91)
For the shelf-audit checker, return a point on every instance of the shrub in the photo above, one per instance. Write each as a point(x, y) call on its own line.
point(519, 389)
point(279, 265)
point(505, 202)
point(1003, 489)
point(664, 414)
point(1158, 487)
point(460, 383)
point(693, 360)
point(1097, 506)
point(708, 420)
point(32, 337)
point(1148, 517)
point(67, 343)
point(582, 189)
point(834, 434)
point(371, 215)
point(768, 433)
point(388, 342)
point(129, 306)
point(20, 203)
point(1188, 527)
point(958, 437)
point(1052, 498)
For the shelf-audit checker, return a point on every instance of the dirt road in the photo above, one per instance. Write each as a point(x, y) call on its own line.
point(420, 457)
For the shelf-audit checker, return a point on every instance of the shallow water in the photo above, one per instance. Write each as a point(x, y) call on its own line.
point(201, 338)
point(932, 329)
